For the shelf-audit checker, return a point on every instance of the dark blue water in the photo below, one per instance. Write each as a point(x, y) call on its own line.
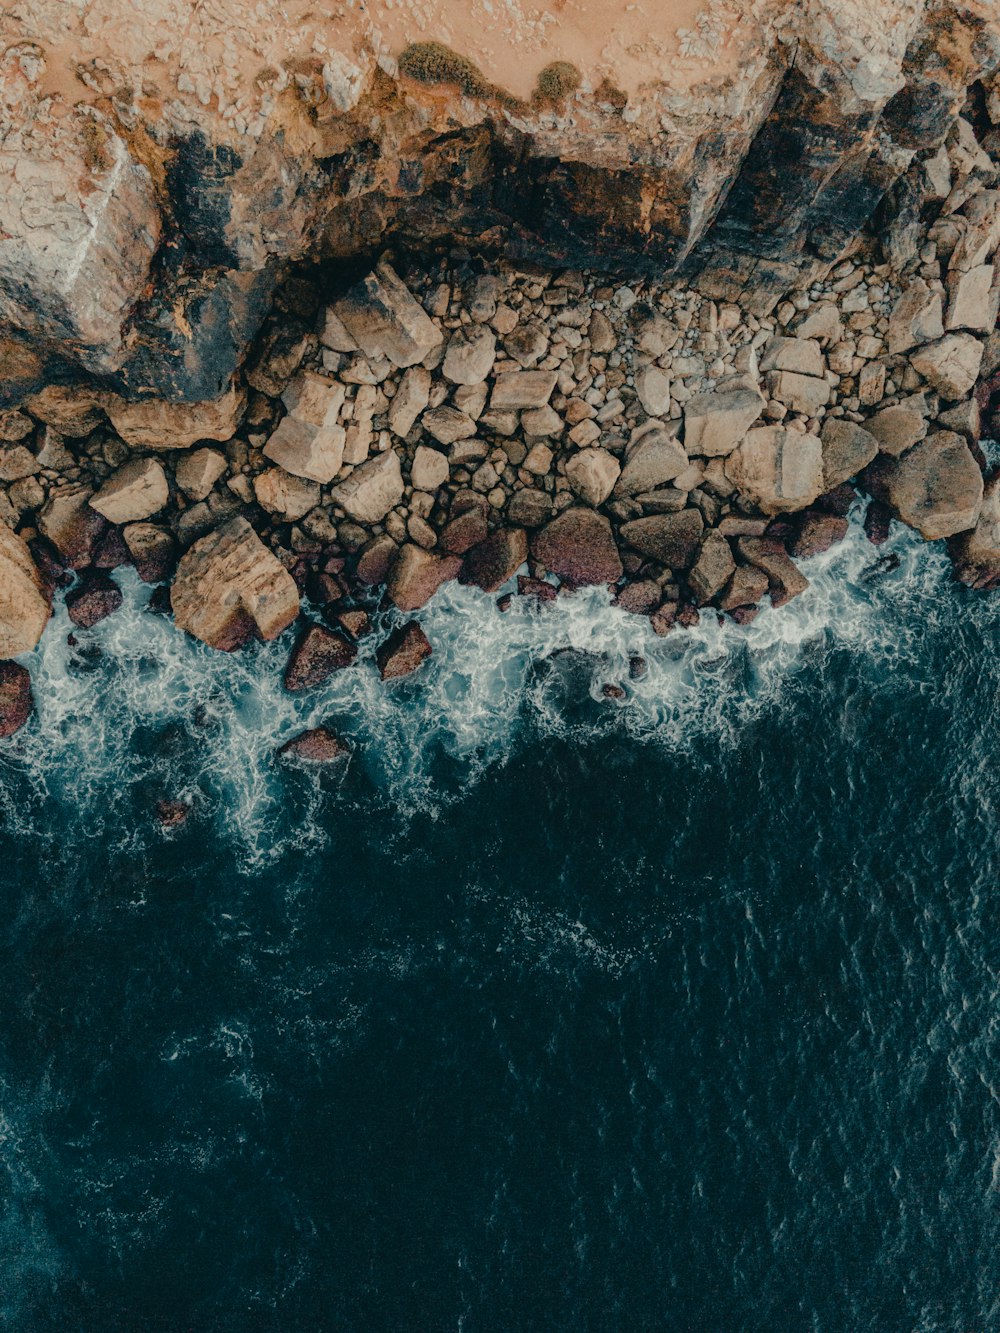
point(548, 1012)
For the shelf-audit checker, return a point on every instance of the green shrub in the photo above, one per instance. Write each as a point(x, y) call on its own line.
point(433, 62)
point(556, 82)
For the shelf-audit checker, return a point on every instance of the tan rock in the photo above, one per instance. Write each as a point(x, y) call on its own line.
point(416, 576)
point(198, 471)
point(519, 389)
point(543, 422)
point(334, 335)
point(71, 411)
point(448, 424)
point(159, 425)
point(652, 386)
point(315, 453)
point(655, 457)
point(972, 303)
point(429, 469)
point(714, 423)
point(847, 449)
point(917, 317)
point(802, 393)
point(539, 460)
point(136, 491)
point(977, 553)
point(383, 318)
point(935, 487)
point(410, 400)
point(230, 587)
point(282, 494)
point(592, 474)
point(24, 604)
point(314, 398)
point(713, 568)
point(897, 429)
point(470, 355)
point(781, 470)
point(951, 365)
point(372, 489)
point(801, 355)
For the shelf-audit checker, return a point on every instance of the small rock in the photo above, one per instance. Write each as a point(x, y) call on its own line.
point(96, 597)
point(429, 469)
point(470, 355)
point(403, 651)
point(652, 385)
point(410, 400)
point(16, 700)
point(520, 389)
point(318, 745)
point(198, 471)
point(318, 653)
point(655, 457)
point(136, 491)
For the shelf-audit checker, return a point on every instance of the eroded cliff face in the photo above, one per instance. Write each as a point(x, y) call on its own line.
point(166, 167)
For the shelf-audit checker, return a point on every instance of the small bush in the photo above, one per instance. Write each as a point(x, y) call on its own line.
point(555, 82)
point(433, 62)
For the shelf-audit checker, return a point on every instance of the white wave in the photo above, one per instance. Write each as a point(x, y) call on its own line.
point(139, 708)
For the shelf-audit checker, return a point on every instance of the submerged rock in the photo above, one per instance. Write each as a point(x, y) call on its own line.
point(318, 745)
point(16, 700)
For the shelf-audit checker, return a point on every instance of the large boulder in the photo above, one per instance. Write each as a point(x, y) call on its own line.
point(24, 601)
point(230, 588)
point(579, 548)
point(847, 450)
point(384, 320)
point(71, 525)
point(654, 457)
point(492, 562)
point(780, 469)
point(672, 539)
point(715, 422)
point(950, 365)
point(935, 487)
point(417, 574)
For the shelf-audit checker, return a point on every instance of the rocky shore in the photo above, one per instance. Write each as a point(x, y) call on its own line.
point(441, 414)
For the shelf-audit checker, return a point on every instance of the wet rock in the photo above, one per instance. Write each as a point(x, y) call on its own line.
point(713, 568)
point(951, 365)
point(16, 700)
point(672, 539)
point(654, 457)
point(935, 487)
point(714, 423)
point(976, 554)
point(817, 533)
point(781, 470)
point(785, 581)
point(160, 425)
point(639, 599)
point(527, 586)
point(24, 596)
point(579, 548)
point(372, 489)
point(95, 597)
point(403, 651)
point(355, 622)
point(71, 525)
point(847, 450)
point(152, 549)
point(317, 654)
point(878, 522)
point(592, 474)
point(229, 587)
point(171, 814)
point(417, 574)
point(385, 320)
point(747, 586)
point(136, 491)
point(376, 560)
point(490, 563)
point(318, 745)
point(111, 552)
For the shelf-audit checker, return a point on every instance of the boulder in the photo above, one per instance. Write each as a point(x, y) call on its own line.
point(529, 508)
point(372, 489)
point(654, 457)
point(385, 321)
point(403, 651)
point(229, 587)
point(197, 472)
point(24, 599)
point(747, 586)
point(410, 400)
point(429, 469)
point(153, 551)
point(780, 469)
point(592, 474)
point(375, 561)
point(652, 387)
point(71, 525)
point(70, 410)
point(95, 597)
point(448, 424)
point(972, 300)
point(817, 532)
point(463, 531)
point(136, 491)
point(154, 424)
point(579, 548)
point(714, 423)
point(847, 450)
point(802, 393)
point(976, 553)
point(417, 574)
point(287, 497)
point(470, 355)
point(318, 745)
point(317, 654)
point(520, 389)
point(713, 568)
point(897, 429)
point(492, 562)
point(16, 700)
point(303, 449)
point(801, 355)
point(785, 580)
point(935, 487)
point(950, 365)
point(672, 539)
point(917, 317)
point(981, 235)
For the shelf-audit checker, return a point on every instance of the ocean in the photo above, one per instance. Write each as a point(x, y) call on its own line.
point(543, 1010)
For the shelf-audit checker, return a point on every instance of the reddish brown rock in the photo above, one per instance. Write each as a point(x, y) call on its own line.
point(403, 651)
point(318, 745)
point(579, 548)
point(318, 653)
point(171, 814)
point(641, 598)
point(747, 586)
point(878, 522)
point(817, 533)
point(417, 574)
point(70, 524)
point(492, 562)
point(375, 561)
point(96, 597)
point(537, 588)
point(16, 702)
point(463, 532)
point(785, 581)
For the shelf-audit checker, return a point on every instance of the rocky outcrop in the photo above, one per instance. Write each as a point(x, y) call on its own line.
point(229, 588)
